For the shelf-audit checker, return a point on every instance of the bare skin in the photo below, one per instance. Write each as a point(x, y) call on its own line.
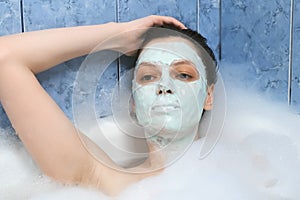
point(48, 135)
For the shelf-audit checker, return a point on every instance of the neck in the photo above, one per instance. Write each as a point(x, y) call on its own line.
point(170, 139)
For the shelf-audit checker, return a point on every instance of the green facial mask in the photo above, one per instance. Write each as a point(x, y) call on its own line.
point(168, 104)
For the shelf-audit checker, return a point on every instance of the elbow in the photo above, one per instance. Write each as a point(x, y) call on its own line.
point(9, 48)
point(4, 55)
point(9, 58)
point(7, 66)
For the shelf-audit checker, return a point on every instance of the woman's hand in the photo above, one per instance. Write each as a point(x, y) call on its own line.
point(154, 20)
point(129, 39)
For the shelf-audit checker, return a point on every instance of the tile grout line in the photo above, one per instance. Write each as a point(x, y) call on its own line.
point(220, 30)
point(198, 15)
point(22, 16)
point(117, 16)
point(290, 69)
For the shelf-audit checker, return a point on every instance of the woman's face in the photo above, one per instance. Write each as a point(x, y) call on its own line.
point(169, 86)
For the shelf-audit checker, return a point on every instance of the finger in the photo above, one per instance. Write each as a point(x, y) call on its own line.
point(175, 22)
point(163, 20)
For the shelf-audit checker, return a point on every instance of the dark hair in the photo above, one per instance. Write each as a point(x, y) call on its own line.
point(204, 51)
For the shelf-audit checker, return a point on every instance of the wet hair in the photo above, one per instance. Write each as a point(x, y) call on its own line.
point(200, 43)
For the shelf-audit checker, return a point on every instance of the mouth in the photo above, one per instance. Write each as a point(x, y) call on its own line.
point(165, 108)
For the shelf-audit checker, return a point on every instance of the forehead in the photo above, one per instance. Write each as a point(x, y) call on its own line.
point(168, 50)
point(170, 39)
point(169, 45)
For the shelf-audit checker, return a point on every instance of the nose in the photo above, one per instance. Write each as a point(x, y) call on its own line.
point(164, 90)
point(165, 85)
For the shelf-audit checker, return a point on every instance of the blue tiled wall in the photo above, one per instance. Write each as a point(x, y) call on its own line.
point(10, 17)
point(239, 31)
point(257, 32)
point(66, 13)
point(42, 14)
point(296, 57)
point(209, 22)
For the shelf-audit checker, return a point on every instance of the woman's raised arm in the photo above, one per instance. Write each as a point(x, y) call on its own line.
point(44, 129)
point(40, 50)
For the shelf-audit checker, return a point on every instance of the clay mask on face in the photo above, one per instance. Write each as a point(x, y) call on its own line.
point(169, 88)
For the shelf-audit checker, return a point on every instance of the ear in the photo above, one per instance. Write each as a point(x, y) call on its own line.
point(209, 98)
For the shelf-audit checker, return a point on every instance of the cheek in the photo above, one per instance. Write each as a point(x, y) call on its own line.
point(191, 93)
point(144, 96)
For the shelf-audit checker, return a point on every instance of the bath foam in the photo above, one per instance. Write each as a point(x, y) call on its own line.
point(257, 157)
point(20, 178)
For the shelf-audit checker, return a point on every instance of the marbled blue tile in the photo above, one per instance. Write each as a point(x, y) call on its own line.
point(10, 17)
point(209, 22)
point(4, 121)
point(296, 58)
point(184, 10)
point(41, 14)
point(104, 90)
point(257, 32)
point(59, 81)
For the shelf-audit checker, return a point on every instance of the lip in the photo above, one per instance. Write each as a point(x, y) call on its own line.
point(165, 108)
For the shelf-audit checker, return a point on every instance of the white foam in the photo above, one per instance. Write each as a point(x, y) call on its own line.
point(257, 157)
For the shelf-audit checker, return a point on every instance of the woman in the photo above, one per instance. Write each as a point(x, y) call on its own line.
point(46, 132)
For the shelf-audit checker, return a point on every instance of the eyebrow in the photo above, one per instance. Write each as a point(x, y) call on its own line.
point(180, 62)
point(147, 64)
